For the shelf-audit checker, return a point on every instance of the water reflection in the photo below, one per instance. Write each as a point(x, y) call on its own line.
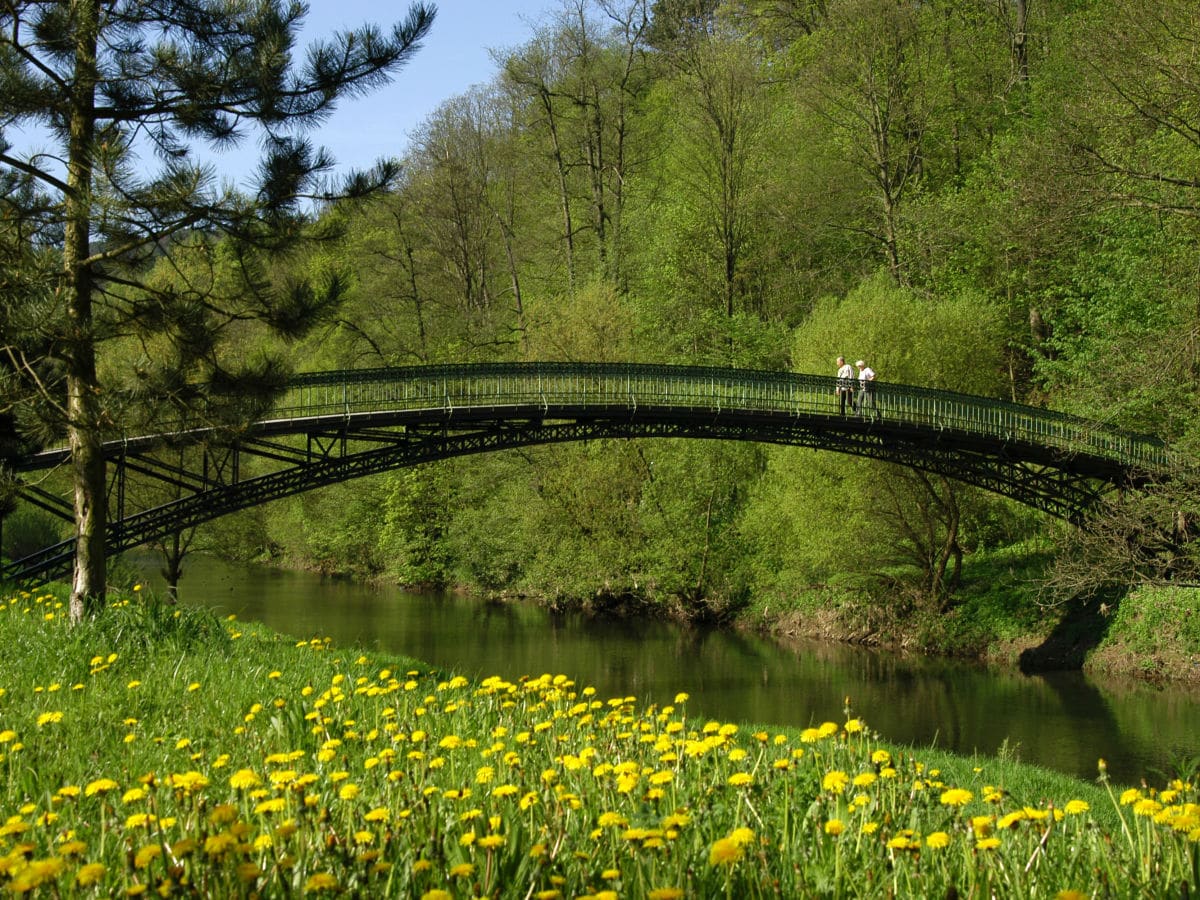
point(1060, 720)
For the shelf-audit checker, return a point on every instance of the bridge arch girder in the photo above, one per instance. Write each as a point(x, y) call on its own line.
point(1061, 485)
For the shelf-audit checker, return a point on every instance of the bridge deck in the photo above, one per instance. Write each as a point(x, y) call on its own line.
point(573, 389)
point(356, 423)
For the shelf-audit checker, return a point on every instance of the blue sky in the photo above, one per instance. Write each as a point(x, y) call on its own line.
point(453, 58)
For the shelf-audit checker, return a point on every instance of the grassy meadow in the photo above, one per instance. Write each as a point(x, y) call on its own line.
point(162, 751)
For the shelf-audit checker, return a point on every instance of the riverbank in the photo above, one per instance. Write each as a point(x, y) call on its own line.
point(222, 758)
point(1000, 617)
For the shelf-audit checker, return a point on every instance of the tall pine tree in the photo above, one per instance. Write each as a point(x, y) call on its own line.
point(126, 91)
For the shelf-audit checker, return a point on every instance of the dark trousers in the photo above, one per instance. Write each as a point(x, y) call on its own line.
point(864, 398)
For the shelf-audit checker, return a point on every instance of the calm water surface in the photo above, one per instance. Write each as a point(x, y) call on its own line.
point(1059, 720)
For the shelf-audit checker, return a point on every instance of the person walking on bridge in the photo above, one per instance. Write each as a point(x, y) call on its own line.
point(845, 383)
point(866, 390)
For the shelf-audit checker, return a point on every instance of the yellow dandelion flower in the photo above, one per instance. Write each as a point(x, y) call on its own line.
point(1077, 807)
point(741, 836)
point(89, 874)
point(146, 855)
point(987, 843)
point(243, 779)
point(189, 782)
point(100, 786)
point(834, 827)
point(220, 843)
point(724, 852)
point(956, 797)
point(462, 870)
point(72, 848)
point(665, 893)
point(938, 840)
point(320, 881)
point(437, 894)
point(834, 781)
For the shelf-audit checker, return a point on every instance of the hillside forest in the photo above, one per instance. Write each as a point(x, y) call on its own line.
point(998, 197)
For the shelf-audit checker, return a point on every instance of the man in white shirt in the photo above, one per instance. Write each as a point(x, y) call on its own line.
point(866, 389)
point(845, 382)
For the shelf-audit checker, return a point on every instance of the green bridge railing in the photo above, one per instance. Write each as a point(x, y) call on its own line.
point(611, 386)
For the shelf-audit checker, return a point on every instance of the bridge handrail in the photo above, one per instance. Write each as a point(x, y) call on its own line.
point(636, 386)
point(629, 384)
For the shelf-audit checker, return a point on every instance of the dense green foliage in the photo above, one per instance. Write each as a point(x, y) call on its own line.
point(770, 187)
point(987, 197)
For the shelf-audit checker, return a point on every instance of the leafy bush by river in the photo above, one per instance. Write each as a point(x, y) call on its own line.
point(159, 749)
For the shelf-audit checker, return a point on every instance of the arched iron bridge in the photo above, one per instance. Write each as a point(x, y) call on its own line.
point(329, 427)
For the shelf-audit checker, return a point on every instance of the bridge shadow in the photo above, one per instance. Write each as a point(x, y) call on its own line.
point(1077, 633)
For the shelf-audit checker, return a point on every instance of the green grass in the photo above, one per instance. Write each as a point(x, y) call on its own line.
point(160, 750)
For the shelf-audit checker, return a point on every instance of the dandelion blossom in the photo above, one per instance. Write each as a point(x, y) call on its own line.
point(320, 881)
point(741, 836)
point(956, 797)
point(243, 779)
point(89, 874)
point(724, 852)
point(100, 786)
point(834, 781)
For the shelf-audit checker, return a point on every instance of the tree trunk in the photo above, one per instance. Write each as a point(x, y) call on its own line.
point(83, 388)
point(174, 549)
point(1020, 44)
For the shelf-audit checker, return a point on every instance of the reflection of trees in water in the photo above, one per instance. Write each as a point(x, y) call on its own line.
point(1060, 719)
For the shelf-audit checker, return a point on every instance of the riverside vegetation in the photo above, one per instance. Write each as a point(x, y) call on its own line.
point(995, 198)
point(222, 759)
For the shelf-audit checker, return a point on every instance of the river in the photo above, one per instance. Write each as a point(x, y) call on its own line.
point(1061, 720)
